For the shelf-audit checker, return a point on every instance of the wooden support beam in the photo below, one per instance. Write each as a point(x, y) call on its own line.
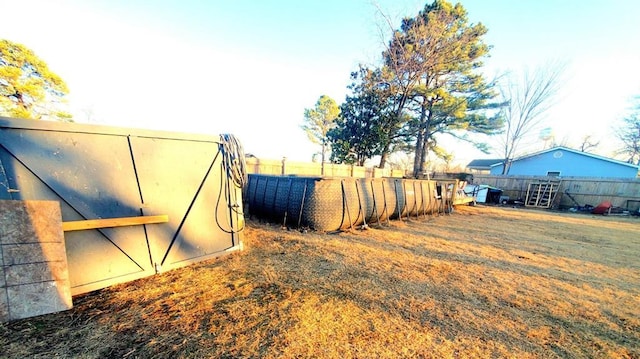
point(113, 222)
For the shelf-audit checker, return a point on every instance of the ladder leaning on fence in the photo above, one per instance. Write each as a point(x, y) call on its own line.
point(542, 194)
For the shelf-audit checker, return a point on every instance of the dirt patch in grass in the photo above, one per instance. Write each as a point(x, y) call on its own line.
point(481, 282)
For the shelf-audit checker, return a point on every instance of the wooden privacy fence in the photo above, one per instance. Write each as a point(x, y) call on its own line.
point(286, 167)
point(571, 191)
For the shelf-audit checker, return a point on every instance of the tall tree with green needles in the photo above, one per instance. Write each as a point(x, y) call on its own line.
point(28, 88)
point(434, 58)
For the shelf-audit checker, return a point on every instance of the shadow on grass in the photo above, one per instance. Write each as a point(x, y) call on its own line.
point(405, 291)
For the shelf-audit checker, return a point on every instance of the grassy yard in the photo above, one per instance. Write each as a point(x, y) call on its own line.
point(482, 282)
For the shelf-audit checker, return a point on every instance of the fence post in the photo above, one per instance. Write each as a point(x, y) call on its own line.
point(284, 166)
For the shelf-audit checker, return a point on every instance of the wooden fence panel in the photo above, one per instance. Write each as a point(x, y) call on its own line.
point(266, 167)
point(285, 167)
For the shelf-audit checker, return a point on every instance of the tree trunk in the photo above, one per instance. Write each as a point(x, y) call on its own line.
point(322, 159)
point(417, 158)
point(506, 166)
point(384, 155)
point(422, 139)
point(425, 152)
point(508, 155)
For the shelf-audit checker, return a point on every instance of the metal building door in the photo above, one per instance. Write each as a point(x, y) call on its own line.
point(101, 172)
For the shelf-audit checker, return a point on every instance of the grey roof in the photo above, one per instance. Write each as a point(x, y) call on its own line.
point(484, 164)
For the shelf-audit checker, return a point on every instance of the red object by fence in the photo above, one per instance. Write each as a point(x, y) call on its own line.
point(602, 208)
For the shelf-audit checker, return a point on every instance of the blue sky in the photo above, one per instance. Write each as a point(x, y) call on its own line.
point(251, 67)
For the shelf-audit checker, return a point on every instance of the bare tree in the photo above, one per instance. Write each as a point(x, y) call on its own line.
point(527, 100)
point(629, 136)
point(588, 143)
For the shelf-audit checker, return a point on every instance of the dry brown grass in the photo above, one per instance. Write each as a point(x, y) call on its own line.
point(482, 282)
